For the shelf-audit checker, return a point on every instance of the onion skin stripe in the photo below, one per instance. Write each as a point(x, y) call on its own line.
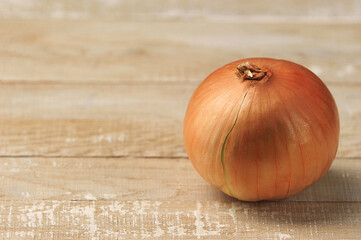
point(225, 142)
point(289, 164)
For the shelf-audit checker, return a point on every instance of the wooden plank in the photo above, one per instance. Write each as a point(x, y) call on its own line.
point(161, 179)
point(96, 101)
point(184, 9)
point(143, 119)
point(119, 137)
point(171, 51)
point(176, 219)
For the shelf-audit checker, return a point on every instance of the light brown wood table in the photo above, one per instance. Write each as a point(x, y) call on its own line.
point(91, 115)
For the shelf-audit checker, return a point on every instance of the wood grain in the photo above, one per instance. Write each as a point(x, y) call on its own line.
point(108, 138)
point(154, 179)
point(180, 220)
point(182, 9)
point(114, 51)
point(134, 119)
point(92, 99)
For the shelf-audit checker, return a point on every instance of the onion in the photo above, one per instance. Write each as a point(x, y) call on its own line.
point(261, 129)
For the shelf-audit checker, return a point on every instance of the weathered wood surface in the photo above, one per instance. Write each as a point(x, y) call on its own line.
point(347, 10)
point(134, 119)
point(91, 112)
point(113, 51)
point(180, 220)
point(156, 179)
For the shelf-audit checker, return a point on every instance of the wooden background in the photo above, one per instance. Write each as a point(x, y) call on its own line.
point(92, 100)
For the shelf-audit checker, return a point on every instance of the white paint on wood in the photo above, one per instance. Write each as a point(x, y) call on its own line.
point(202, 223)
point(9, 216)
point(158, 230)
point(177, 229)
point(158, 219)
point(89, 196)
point(24, 234)
point(282, 236)
point(117, 207)
point(88, 212)
point(25, 194)
point(232, 212)
point(108, 195)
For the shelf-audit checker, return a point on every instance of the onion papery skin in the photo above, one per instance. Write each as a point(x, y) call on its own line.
point(284, 139)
